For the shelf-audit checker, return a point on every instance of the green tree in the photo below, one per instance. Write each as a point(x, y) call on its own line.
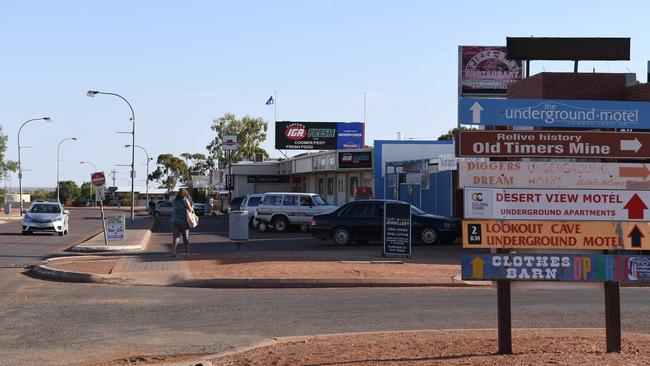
point(126, 199)
point(40, 194)
point(250, 132)
point(198, 164)
point(450, 134)
point(6, 166)
point(85, 193)
point(171, 171)
point(68, 192)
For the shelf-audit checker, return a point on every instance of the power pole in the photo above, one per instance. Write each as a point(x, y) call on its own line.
point(113, 176)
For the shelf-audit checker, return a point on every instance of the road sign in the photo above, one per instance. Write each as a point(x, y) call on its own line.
point(397, 229)
point(554, 113)
point(555, 144)
point(115, 227)
point(556, 174)
point(557, 267)
point(99, 193)
point(556, 235)
point(554, 204)
point(98, 179)
point(229, 142)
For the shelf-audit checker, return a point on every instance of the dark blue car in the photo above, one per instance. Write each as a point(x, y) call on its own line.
point(362, 221)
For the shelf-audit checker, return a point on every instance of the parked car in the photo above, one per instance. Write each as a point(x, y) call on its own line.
point(235, 204)
point(199, 208)
point(45, 216)
point(163, 208)
point(362, 221)
point(281, 210)
point(250, 203)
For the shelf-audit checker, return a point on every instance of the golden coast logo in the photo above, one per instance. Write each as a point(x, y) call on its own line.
point(477, 197)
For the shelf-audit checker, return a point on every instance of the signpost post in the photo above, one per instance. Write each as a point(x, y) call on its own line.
point(98, 179)
point(397, 229)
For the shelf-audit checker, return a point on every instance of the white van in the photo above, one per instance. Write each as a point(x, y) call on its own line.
point(280, 209)
point(250, 203)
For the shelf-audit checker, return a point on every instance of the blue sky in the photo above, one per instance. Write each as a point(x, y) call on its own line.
point(182, 64)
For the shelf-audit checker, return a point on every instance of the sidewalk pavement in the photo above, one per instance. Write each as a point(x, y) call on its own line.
point(237, 272)
point(136, 238)
point(13, 217)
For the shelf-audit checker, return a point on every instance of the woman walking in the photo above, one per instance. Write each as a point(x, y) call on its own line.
point(180, 227)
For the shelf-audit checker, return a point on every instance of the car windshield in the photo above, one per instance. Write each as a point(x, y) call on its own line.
point(45, 209)
point(417, 211)
point(254, 201)
point(319, 200)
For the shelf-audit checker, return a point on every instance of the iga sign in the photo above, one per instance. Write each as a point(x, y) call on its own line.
point(486, 70)
point(557, 267)
point(554, 113)
point(556, 174)
point(529, 204)
point(554, 144)
point(493, 234)
point(355, 159)
point(318, 135)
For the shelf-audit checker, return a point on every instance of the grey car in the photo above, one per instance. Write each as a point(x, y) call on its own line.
point(163, 208)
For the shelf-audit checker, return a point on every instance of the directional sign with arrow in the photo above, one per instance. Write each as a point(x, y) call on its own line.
point(476, 112)
point(555, 204)
point(552, 144)
point(636, 236)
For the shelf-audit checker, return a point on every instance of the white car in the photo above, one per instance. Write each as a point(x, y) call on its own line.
point(250, 203)
point(45, 216)
point(280, 210)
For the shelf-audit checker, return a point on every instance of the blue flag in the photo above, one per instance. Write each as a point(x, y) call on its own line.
point(270, 101)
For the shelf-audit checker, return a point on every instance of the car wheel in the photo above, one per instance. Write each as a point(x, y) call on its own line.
point(342, 236)
point(281, 224)
point(428, 236)
point(60, 233)
point(262, 226)
point(25, 232)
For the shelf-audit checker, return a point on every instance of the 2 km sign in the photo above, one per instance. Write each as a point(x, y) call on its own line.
point(555, 144)
point(529, 204)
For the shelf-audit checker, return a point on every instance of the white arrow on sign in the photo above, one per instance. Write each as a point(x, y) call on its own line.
point(476, 112)
point(631, 145)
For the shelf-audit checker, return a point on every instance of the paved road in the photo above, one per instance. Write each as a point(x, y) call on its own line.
point(18, 250)
point(61, 323)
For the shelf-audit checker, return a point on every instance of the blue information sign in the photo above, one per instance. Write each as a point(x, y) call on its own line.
point(554, 113)
point(349, 135)
point(557, 267)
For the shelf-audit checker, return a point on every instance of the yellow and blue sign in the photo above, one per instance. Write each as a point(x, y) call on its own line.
point(554, 113)
point(557, 267)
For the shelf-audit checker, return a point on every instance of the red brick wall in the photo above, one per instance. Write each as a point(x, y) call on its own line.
point(555, 85)
point(639, 93)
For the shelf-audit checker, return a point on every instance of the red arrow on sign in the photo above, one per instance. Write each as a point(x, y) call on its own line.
point(635, 207)
point(634, 172)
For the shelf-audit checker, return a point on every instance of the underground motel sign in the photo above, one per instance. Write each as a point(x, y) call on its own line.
point(553, 174)
point(556, 235)
point(554, 113)
point(556, 204)
point(554, 144)
point(557, 267)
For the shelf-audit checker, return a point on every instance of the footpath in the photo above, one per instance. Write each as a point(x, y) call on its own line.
point(144, 259)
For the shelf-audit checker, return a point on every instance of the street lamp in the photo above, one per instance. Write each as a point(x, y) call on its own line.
point(148, 158)
point(92, 94)
point(91, 182)
point(58, 162)
point(20, 170)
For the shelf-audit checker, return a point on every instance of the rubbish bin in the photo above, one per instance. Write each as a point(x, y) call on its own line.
point(7, 208)
point(238, 225)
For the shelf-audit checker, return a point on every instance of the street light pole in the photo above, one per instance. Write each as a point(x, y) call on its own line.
point(20, 167)
point(147, 179)
point(91, 182)
point(58, 162)
point(92, 93)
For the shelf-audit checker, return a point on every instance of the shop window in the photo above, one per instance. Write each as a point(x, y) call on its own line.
point(340, 185)
point(354, 183)
point(330, 186)
point(321, 188)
